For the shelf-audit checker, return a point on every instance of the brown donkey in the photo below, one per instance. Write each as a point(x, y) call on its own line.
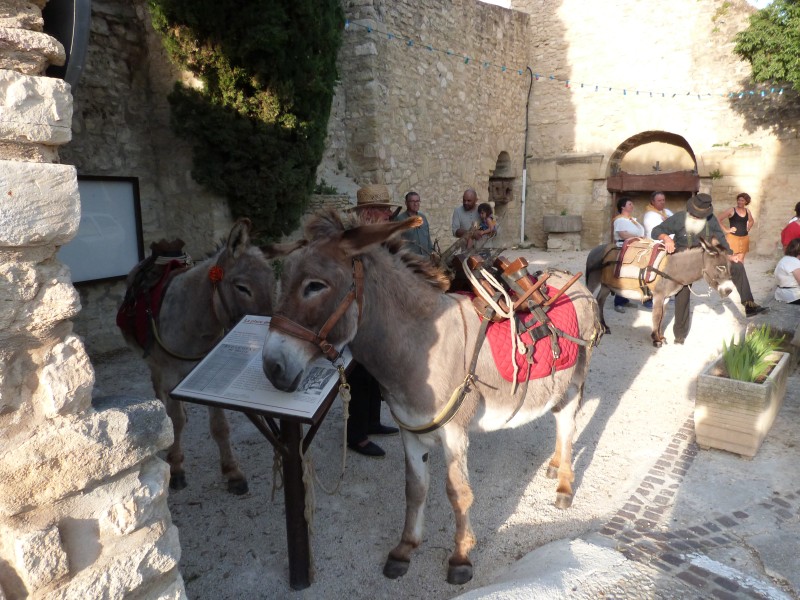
point(709, 261)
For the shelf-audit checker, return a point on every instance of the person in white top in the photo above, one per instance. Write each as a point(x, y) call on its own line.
point(625, 226)
point(656, 212)
point(787, 273)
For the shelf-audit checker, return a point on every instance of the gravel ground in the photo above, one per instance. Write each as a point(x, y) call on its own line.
point(637, 398)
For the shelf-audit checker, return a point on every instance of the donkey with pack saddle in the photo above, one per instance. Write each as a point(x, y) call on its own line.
point(176, 312)
point(642, 270)
point(353, 284)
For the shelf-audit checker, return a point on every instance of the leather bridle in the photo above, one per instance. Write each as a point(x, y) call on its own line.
point(355, 294)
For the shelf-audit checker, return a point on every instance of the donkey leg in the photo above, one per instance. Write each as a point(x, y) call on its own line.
point(560, 466)
point(658, 317)
point(220, 431)
point(460, 495)
point(177, 414)
point(601, 301)
point(417, 484)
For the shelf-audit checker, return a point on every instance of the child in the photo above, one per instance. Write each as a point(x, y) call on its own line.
point(487, 225)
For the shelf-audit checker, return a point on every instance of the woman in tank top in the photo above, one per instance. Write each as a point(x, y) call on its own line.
point(740, 222)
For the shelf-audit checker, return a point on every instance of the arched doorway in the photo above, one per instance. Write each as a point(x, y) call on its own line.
point(653, 161)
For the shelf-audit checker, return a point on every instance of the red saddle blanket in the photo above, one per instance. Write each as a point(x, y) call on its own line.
point(132, 316)
point(562, 314)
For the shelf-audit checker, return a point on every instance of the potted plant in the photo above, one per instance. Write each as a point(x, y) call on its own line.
point(740, 393)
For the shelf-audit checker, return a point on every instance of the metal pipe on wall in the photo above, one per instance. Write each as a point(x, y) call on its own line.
point(525, 165)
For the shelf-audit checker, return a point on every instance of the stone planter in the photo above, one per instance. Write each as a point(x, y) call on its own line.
point(735, 415)
point(562, 223)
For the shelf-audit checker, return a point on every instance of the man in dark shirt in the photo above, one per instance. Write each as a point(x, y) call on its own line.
point(686, 227)
point(418, 238)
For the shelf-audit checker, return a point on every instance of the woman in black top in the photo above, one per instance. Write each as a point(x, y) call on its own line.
point(740, 221)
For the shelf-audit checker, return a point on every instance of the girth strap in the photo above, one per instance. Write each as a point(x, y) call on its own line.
point(444, 416)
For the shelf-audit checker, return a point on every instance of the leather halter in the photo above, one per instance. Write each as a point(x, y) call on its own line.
point(356, 293)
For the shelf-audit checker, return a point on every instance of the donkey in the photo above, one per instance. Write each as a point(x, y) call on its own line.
point(709, 261)
point(352, 285)
point(198, 305)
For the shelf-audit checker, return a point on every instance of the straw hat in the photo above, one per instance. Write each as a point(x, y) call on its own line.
point(374, 195)
point(699, 206)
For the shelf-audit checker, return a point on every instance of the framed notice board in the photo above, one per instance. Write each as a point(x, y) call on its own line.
point(109, 240)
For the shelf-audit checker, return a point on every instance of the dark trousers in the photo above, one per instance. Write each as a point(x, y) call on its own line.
point(683, 311)
point(365, 404)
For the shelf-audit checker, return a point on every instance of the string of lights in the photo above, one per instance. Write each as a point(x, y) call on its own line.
point(567, 83)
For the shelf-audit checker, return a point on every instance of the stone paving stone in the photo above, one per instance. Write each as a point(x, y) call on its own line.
point(644, 538)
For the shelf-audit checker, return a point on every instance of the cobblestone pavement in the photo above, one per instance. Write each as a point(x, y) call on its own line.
point(642, 533)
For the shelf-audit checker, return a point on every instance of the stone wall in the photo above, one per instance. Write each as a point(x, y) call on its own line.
point(670, 53)
point(415, 118)
point(422, 119)
point(83, 509)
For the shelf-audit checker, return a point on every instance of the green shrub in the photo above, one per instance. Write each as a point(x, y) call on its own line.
point(325, 189)
point(752, 358)
point(258, 123)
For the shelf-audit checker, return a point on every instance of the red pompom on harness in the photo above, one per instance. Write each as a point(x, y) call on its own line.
point(215, 274)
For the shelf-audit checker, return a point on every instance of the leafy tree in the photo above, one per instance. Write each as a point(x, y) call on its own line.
point(771, 43)
point(258, 123)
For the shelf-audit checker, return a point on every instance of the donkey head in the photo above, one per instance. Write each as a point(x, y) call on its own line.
point(716, 270)
point(242, 277)
point(319, 301)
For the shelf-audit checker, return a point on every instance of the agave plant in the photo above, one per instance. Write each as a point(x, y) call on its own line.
point(753, 357)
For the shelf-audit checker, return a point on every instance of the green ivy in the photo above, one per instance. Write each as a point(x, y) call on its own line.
point(258, 125)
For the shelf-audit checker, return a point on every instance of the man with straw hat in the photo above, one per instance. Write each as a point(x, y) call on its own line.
point(373, 205)
point(681, 231)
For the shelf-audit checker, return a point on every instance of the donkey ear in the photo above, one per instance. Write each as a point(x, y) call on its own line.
point(275, 250)
point(712, 247)
point(361, 238)
point(239, 237)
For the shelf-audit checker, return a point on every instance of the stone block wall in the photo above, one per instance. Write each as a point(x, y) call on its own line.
point(422, 119)
point(83, 509)
point(668, 74)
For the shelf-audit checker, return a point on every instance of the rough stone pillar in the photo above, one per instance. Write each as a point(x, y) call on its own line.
point(83, 511)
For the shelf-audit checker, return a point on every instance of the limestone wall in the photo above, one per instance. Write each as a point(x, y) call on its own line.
point(422, 119)
point(82, 494)
point(683, 55)
point(415, 118)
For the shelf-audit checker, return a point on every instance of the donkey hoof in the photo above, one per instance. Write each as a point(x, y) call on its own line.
point(552, 472)
point(563, 500)
point(238, 486)
point(658, 343)
point(606, 329)
point(459, 574)
point(177, 481)
point(395, 568)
